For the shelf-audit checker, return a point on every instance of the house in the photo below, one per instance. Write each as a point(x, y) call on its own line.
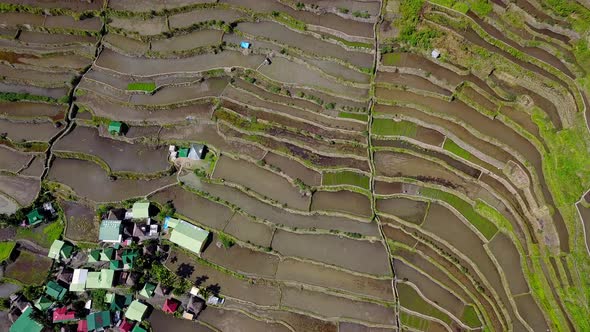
point(128, 258)
point(116, 265)
point(214, 300)
point(170, 306)
point(115, 127)
point(60, 250)
point(79, 280)
point(245, 45)
point(110, 231)
point(435, 54)
point(25, 323)
point(125, 326)
point(82, 326)
point(119, 302)
point(55, 290)
point(62, 314)
point(145, 231)
point(188, 236)
point(162, 290)
point(138, 328)
point(102, 279)
point(49, 208)
point(98, 320)
point(94, 255)
point(34, 217)
point(187, 315)
point(141, 210)
point(197, 151)
point(117, 214)
point(108, 254)
point(65, 275)
point(43, 303)
point(195, 305)
point(183, 153)
point(148, 290)
point(136, 311)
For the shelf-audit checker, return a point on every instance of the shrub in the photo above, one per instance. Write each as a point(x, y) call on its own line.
point(225, 240)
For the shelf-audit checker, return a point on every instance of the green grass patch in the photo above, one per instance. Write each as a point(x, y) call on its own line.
point(409, 32)
point(480, 7)
point(416, 322)
point(389, 127)
point(142, 86)
point(13, 96)
point(288, 21)
point(6, 249)
point(44, 235)
point(461, 7)
point(486, 227)
point(356, 116)
point(469, 317)
point(392, 59)
point(350, 43)
point(345, 178)
point(456, 149)
point(411, 300)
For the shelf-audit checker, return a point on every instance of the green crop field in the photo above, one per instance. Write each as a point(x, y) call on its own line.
point(356, 116)
point(6, 249)
point(389, 127)
point(142, 86)
point(456, 149)
point(345, 178)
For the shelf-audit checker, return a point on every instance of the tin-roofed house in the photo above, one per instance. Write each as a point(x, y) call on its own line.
point(79, 280)
point(55, 290)
point(136, 311)
point(197, 152)
point(34, 217)
point(110, 231)
point(100, 280)
point(141, 210)
point(98, 321)
point(25, 323)
point(116, 127)
point(188, 236)
point(60, 250)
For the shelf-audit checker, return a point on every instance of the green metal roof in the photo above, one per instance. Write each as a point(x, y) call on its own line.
point(35, 217)
point(55, 290)
point(24, 323)
point(173, 222)
point(119, 302)
point(60, 249)
point(108, 254)
point(110, 231)
point(129, 256)
point(138, 328)
point(94, 255)
point(148, 290)
point(115, 265)
point(183, 153)
point(136, 311)
point(102, 279)
point(43, 303)
point(115, 127)
point(141, 210)
point(98, 320)
point(189, 236)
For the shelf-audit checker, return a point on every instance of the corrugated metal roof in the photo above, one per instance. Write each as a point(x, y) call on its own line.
point(189, 236)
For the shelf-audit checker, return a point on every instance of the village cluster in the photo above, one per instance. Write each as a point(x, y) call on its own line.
point(127, 238)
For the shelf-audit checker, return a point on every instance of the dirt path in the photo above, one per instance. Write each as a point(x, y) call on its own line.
point(33, 247)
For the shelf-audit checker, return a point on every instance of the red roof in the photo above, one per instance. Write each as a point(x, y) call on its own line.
point(82, 326)
point(62, 314)
point(170, 306)
point(125, 326)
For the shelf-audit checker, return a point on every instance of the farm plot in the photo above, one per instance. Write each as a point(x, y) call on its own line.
point(142, 27)
point(67, 61)
point(322, 276)
point(147, 67)
point(250, 290)
point(54, 93)
point(195, 207)
point(528, 308)
point(179, 94)
point(279, 216)
point(243, 228)
point(342, 201)
point(35, 77)
point(333, 250)
point(242, 260)
point(89, 180)
point(92, 24)
point(345, 178)
point(105, 108)
point(304, 42)
point(184, 20)
point(261, 181)
point(410, 81)
point(35, 37)
point(226, 320)
point(407, 209)
point(283, 70)
point(23, 190)
point(125, 45)
point(294, 169)
point(508, 257)
point(25, 109)
point(7, 205)
point(411, 300)
point(12, 160)
point(80, 222)
point(118, 155)
point(26, 262)
point(161, 321)
point(141, 5)
point(333, 307)
point(189, 41)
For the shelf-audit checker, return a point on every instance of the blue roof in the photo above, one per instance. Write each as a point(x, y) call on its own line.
point(244, 44)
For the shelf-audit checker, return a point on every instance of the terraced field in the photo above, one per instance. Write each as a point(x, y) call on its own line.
point(367, 185)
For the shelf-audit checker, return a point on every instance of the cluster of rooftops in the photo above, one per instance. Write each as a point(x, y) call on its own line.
point(109, 266)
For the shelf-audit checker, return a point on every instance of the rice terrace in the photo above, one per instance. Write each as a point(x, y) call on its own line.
point(285, 165)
